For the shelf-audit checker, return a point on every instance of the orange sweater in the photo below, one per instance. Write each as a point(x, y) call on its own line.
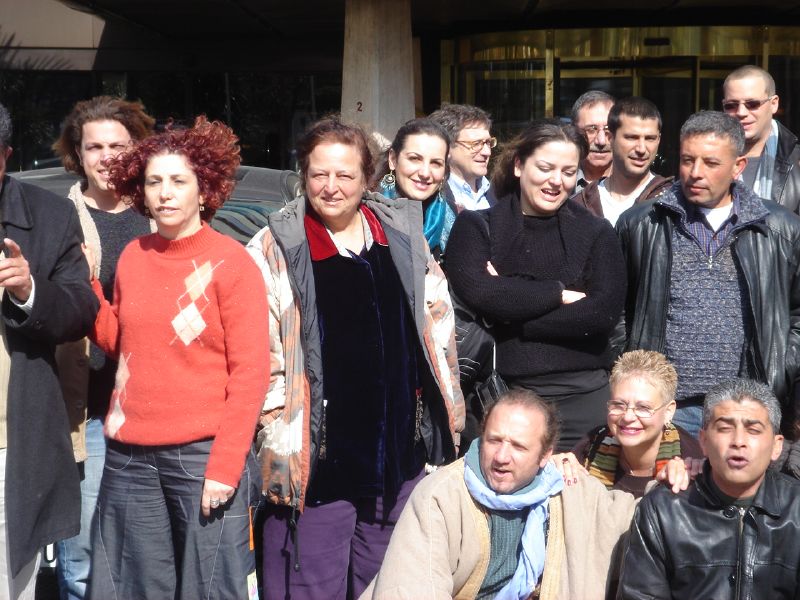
point(189, 326)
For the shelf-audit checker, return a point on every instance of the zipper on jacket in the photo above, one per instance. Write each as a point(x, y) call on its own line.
point(742, 512)
point(293, 533)
point(323, 449)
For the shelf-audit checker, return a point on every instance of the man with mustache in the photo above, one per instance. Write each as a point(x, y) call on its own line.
point(713, 280)
point(772, 150)
point(590, 116)
point(634, 130)
point(733, 532)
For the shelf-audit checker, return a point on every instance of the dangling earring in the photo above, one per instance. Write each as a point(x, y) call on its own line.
point(202, 208)
point(147, 213)
point(388, 179)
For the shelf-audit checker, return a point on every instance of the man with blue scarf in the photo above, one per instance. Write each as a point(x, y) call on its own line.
point(500, 523)
point(772, 151)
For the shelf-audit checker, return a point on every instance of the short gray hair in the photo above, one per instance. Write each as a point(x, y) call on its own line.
point(5, 127)
point(590, 98)
point(739, 390)
point(718, 123)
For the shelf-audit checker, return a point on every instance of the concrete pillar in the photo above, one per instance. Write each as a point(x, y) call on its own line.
point(378, 69)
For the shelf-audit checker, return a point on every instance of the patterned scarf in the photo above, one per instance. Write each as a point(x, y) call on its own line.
point(433, 220)
point(604, 450)
point(763, 182)
point(534, 496)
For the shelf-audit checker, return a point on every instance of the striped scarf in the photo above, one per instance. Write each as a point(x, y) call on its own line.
point(602, 460)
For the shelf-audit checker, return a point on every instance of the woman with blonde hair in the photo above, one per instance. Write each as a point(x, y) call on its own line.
point(639, 437)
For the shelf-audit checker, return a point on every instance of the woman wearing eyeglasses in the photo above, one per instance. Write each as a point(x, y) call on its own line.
point(415, 167)
point(547, 273)
point(639, 437)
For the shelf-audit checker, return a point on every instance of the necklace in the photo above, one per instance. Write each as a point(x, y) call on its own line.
point(642, 472)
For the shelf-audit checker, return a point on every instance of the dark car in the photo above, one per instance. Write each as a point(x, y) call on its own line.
point(258, 192)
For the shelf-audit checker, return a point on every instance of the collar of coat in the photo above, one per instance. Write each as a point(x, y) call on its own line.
point(766, 500)
point(401, 215)
point(320, 242)
point(13, 207)
point(751, 211)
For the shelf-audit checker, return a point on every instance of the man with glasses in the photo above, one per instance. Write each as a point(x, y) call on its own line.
point(471, 146)
point(713, 275)
point(733, 533)
point(590, 116)
point(772, 150)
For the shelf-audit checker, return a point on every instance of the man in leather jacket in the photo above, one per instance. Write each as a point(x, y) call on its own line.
point(772, 150)
point(733, 533)
point(713, 273)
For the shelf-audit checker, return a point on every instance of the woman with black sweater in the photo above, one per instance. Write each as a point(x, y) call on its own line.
point(547, 273)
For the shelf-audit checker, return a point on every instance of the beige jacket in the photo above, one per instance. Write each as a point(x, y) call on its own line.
point(440, 546)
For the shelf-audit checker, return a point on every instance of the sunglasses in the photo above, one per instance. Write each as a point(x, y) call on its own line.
point(733, 105)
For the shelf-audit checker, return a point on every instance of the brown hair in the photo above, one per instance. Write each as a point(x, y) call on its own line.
point(532, 401)
point(331, 130)
point(538, 133)
point(130, 115)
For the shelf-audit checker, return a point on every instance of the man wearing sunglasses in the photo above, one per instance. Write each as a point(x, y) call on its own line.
point(471, 146)
point(772, 150)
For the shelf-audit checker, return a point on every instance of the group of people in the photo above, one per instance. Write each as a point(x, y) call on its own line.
point(639, 324)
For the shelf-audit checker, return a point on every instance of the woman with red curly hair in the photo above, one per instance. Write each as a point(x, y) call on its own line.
point(189, 327)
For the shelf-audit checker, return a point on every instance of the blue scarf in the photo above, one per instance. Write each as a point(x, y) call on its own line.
point(433, 218)
point(763, 183)
point(535, 496)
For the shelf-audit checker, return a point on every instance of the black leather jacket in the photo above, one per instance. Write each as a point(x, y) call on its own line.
point(692, 545)
point(767, 249)
point(786, 175)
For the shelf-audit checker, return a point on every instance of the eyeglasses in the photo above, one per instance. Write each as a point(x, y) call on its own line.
point(642, 411)
point(591, 131)
point(751, 105)
point(477, 145)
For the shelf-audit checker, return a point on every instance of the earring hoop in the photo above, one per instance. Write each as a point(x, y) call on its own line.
point(388, 179)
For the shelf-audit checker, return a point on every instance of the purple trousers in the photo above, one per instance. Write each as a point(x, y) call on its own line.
point(340, 547)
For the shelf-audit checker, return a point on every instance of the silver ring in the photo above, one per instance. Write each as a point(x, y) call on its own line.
point(215, 502)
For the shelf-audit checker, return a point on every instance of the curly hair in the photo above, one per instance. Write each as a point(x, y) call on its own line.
point(210, 148)
point(130, 115)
